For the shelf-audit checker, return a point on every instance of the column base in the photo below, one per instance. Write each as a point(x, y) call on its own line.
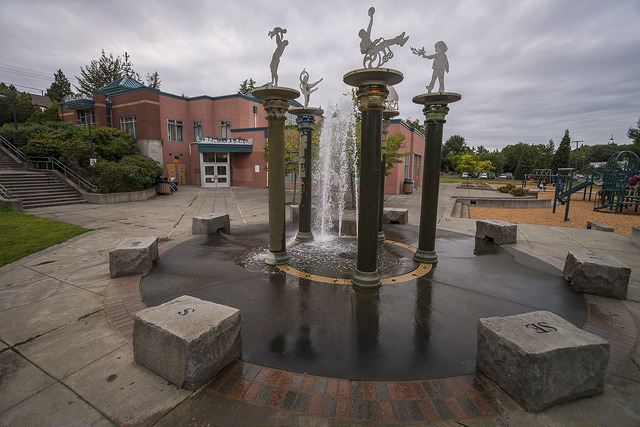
point(277, 258)
point(366, 279)
point(381, 236)
point(304, 236)
point(425, 257)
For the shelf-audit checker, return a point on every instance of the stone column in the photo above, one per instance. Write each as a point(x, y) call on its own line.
point(435, 110)
point(276, 105)
point(387, 115)
point(305, 120)
point(372, 92)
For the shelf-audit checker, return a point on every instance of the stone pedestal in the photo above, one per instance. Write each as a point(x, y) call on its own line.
point(305, 121)
point(187, 341)
point(634, 238)
point(499, 231)
point(372, 92)
point(435, 110)
point(134, 255)
point(597, 274)
point(210, 223)
point(540, 359)
point(276, 105)
point(395, 216)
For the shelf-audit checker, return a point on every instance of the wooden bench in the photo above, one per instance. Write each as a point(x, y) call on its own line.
point(540, 359)
point(187, 341)
point(134, 255)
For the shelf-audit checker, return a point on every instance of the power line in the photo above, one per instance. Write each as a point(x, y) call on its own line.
point(28, 87)
point(34, 73)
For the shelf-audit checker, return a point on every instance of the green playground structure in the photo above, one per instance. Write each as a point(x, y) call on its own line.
point(567, 183)
point(539, 176)
point(616, 193)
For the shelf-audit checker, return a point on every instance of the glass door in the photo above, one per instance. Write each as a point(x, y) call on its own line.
point(215, 169)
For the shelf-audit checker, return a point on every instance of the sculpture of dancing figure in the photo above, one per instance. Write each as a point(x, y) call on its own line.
point(440, 64)
point(281, 43)
point(380, 49)
point(306, 87)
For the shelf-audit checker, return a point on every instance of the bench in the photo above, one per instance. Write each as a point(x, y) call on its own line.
point(395, 216)
point(134, 255)
point(187, 341)
point(499, 231)
point(540, 359)
point(634, 237)
point(210, 223)
point(597, 274)
point(595, 225)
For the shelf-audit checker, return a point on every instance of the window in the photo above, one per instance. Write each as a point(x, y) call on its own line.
point(128, 124)
point(225, 129)
point(407, 166)
point(197, 130)
point(176, 130)
point(84, 116)
point(416, 175)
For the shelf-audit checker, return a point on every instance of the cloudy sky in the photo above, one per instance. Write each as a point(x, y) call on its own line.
point(527, 69)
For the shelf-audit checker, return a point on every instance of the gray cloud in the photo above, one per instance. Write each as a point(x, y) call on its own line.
point(527, 70)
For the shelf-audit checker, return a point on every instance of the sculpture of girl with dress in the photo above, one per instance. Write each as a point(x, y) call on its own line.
point(306, 87)
point(440, 64)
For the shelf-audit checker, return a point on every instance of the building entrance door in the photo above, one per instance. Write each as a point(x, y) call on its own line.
point(215, 169)
point(178, 171)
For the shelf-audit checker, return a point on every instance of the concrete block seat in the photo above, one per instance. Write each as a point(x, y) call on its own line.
point(499, 231)
point(597, 274)
point(634, 237)
point(187, 341)
point(595, 225)
point(540, 359)
point(134, 255)
point(210, 223)
point(395, 216)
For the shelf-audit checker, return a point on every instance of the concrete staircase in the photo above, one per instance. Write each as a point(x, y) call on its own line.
point(7, 162)
point(38, 189)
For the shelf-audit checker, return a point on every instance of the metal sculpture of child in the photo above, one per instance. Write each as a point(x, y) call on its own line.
point(440, 64)
point(379, 49)
point(275, 59)
point(306, 87)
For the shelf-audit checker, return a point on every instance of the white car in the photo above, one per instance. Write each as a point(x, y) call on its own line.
point(483, 175)
point(465, 174)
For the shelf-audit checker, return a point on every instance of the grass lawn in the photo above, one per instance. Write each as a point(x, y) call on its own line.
point(22, 234)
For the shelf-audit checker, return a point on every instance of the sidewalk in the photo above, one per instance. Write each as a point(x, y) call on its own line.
point(68, 366)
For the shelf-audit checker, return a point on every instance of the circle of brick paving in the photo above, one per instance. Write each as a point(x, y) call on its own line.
point(375, 401)
point(420, 271)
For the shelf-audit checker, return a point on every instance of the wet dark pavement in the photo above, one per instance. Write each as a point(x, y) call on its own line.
point(424, 328)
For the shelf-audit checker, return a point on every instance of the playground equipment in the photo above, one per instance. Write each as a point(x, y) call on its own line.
point(616, 193)
point(538, 176)
point(567, 184)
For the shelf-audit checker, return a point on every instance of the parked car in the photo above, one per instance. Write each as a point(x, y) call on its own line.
point(509, 175)
point(483, 175)
point(465, 174)
point(503, 176)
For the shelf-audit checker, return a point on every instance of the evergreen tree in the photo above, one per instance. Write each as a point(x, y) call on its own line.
point(107, 69)
point(561, 157)
point(153, 80)
point(525, 165)
point(60, 88)
point(247, 86)
point(12, 98)
point(634, 134)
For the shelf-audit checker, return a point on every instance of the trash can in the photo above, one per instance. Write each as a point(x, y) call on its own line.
point(407, 187)
point(163, 185)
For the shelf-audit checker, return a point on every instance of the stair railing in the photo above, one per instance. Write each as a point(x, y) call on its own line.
point(4, 192)
point(51, 163)
point(13, 149)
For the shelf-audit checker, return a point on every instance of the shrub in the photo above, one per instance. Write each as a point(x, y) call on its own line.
point(506, 188)
point(132, 173)
point(518, 192)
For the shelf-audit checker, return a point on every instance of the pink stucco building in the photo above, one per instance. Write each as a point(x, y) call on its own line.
point(208, 141)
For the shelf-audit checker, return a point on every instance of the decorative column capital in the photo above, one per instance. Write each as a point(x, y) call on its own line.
point(372, 97)
point(305, 123)
point(276, 108)
point(435, 113)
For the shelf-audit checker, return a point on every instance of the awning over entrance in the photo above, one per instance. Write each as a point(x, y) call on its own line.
point(225, 145)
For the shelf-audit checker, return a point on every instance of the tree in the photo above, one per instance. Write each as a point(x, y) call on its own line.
point(561, 157)
point(455, 145)
point(107, 69)
point(417, 124)
point(525, 165)
point(48, 115)
point(469, 162)
point(247, 86)
point(60, 88)
point(10, 97)
point(634, 134)
point(393, 157)
point(153, 80)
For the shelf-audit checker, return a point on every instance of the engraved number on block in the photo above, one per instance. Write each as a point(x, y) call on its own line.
point(186, 311)
point(541, 327)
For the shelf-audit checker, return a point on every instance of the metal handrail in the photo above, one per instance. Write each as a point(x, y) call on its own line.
point(4, 192)
point(54, 164)
point(13, 149)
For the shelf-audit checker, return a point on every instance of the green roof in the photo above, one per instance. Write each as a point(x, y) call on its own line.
point(123, 83)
